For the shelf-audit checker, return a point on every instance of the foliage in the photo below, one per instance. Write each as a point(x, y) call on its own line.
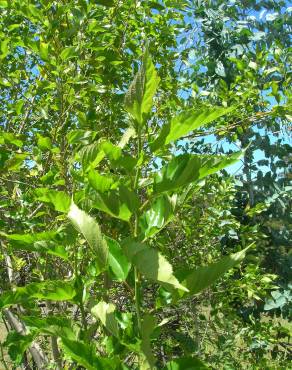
point(125, 243)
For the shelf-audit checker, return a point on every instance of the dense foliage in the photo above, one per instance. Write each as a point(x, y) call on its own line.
point(145, 188)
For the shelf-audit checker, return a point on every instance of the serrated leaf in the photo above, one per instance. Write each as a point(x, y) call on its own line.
point(138, 99)
point(185, 169)
point(90, 229)
point(203, 277)
point(152, 264)
point(186, 122)
point(100, 183)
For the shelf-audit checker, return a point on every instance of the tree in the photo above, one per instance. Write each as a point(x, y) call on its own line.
point(103, 193)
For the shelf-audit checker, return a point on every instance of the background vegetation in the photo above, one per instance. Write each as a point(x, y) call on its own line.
point(121, 230)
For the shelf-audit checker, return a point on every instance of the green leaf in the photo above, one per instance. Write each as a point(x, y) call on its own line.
point(90, 229)
point(138, 99)
point(118, 262)
point(11, 138)
point(17, 344)
point(202, 277)
point(152, 264)
point(44, 142)
point(101, 183)
point(60, 200)
point(15, 162)
point(85, 355)
point(147, 327)
point(185, 122)
point(186, 363)
point(160, 213)
point(40, 242)
point(58, 326)
point(185, 169)
point(119, 204)
point(105, 312)
point(68, 53)
point(90, 155)
point(108, 3)
point(52, 290)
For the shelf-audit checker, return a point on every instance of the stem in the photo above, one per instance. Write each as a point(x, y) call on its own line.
point(136, 272)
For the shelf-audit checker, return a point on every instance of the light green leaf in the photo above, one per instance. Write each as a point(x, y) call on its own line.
point(90, 229)
point(185, 122)
point(152, 264)
point(11, 138)
point(105, 312)
point(118, 262)
point(202, 277)
point(60, 200)
point(138, 99)
point(44, 142)
point(52, 290)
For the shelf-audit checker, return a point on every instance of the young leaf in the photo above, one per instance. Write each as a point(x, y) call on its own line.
point(152, 264)
point(186, 122)
point(90, 229)
point(202, 277)
point(52, 290)
point(105, 312)
point(117, 260)
point(138, 99)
